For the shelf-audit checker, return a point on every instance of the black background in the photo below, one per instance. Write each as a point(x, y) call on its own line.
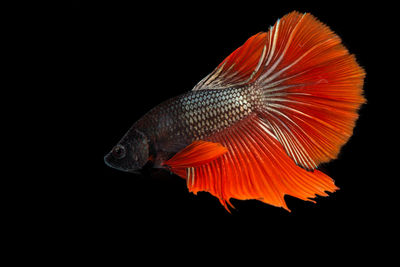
point(127, 59)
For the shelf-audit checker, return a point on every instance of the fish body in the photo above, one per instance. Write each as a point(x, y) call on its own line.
point(195, 115)
point(258, 126)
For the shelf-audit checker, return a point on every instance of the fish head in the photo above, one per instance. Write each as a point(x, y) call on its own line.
point(130, 154)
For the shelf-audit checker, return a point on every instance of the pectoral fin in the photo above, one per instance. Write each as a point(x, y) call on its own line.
point(194, 155)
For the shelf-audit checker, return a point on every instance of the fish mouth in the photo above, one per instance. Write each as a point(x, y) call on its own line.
point(106, 161)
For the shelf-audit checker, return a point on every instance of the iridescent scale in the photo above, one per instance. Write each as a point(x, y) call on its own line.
point(209, 111)
point(198, 114)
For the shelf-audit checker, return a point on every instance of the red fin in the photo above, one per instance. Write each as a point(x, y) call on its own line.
point(194, 155)
point(311, 86)
point(239, 67)
point(256, 167)
point(312, 91)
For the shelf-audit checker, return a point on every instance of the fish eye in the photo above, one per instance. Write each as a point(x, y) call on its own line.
point(118, 152)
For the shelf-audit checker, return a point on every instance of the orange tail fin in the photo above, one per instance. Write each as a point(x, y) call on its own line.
point(312, 91)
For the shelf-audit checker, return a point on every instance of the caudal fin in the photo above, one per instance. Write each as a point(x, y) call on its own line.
point(312, 90)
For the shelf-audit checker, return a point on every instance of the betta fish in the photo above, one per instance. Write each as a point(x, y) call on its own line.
point(259, 125)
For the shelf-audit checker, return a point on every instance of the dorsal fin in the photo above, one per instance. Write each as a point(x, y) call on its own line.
point(239, 67)
point(260, 54)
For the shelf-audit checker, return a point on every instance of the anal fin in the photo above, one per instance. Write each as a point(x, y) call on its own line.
point(256, 166)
